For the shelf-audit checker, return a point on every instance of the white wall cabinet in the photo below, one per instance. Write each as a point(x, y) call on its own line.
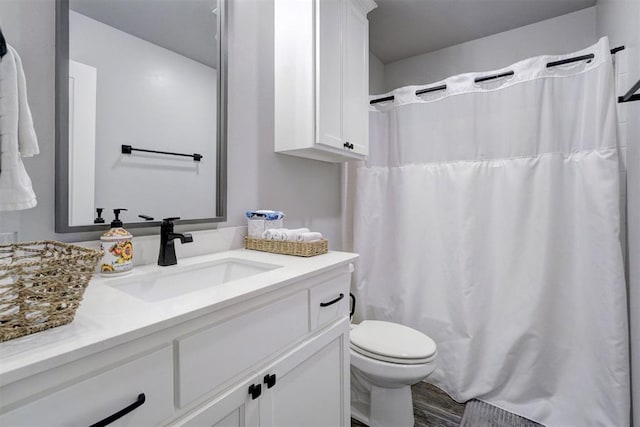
point(279, 359)
point(321, 59)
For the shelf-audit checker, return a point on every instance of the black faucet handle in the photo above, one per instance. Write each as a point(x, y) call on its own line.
point(171, 219)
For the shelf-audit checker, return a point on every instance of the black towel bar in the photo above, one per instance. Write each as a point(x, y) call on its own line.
point(127, 149)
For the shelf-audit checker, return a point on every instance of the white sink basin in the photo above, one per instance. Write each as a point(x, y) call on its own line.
point(170, 282)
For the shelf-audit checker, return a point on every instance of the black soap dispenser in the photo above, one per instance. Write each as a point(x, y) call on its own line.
point(117, 247)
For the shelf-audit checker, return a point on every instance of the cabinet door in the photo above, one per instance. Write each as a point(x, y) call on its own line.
point(329, 69)
point(356, 77)
point(311, 384)
point(234, 408)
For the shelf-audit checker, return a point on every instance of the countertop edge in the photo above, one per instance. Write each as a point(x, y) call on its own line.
point(29, 369)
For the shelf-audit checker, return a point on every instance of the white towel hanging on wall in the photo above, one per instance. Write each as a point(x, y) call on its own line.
point(17, 136)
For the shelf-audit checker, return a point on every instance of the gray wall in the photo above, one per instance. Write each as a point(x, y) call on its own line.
point(376, 75)
point(308, 191)
point(618, 19)
point(562, 34)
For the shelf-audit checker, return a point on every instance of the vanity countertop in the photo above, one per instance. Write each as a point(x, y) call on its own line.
point(108, 317)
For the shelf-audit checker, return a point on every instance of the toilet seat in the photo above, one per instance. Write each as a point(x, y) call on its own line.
point(391, 342)
point(397, 360)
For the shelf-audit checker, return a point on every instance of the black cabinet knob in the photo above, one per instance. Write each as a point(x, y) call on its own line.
point(270, 380)
point(255, 390)
point(346, 145)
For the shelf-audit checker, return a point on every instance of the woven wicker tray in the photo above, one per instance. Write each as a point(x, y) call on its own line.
point(41, 285)
point(305, 249)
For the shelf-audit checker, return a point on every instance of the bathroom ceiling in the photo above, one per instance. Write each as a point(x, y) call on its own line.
point(187, 27)
point(404, 28)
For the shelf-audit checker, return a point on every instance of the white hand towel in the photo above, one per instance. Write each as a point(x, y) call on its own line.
point(309, 237)
point(17, 136)
point(292, 235)
point(27, 139)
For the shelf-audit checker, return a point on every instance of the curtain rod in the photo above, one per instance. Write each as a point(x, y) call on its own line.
point(386, 98)
point(630, 95)
point(3, 45)
point(589, 57)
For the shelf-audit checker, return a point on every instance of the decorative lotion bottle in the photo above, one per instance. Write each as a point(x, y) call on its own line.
point(117, 247)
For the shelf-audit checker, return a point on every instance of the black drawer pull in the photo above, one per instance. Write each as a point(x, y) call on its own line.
point(270, 380)
point(353, 305)
point(121, 413)
point(255, 390)
point(333, 301)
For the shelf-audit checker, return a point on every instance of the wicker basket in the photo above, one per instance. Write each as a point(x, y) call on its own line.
point(286, 247)
point(41, 285)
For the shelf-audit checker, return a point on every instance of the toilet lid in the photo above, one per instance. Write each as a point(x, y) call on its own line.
point(391, 340)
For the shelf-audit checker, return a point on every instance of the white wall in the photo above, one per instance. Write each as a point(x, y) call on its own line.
point(618, 19)
point(148, 97)
point(308, 191)
point(558, 35)
point(29, 27)
point(376, 75)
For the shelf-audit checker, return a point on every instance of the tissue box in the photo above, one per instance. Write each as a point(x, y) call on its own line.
point(258, 226)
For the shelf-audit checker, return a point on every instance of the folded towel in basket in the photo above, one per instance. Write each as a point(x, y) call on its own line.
point(309, 237)
point(292, 235)
point(272, 234)
point(283, 233)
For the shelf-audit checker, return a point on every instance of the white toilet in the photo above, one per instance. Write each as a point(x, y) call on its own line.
point(386, 360)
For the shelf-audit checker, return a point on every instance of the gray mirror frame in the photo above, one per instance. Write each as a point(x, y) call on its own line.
point(62, 129)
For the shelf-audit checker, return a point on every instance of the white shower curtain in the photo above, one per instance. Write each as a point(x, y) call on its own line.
point(487, 216)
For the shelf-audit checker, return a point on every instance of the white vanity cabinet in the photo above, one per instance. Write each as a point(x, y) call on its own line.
point(280, 358)
point(321, 59)
point(306, 386)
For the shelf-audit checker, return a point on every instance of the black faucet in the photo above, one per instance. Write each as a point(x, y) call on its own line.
point(167, 255)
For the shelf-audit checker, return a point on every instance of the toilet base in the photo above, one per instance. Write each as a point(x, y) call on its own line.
point(380, 406)
point(391, 407)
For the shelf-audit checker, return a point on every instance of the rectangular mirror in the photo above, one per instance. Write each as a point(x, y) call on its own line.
point(140, 112)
